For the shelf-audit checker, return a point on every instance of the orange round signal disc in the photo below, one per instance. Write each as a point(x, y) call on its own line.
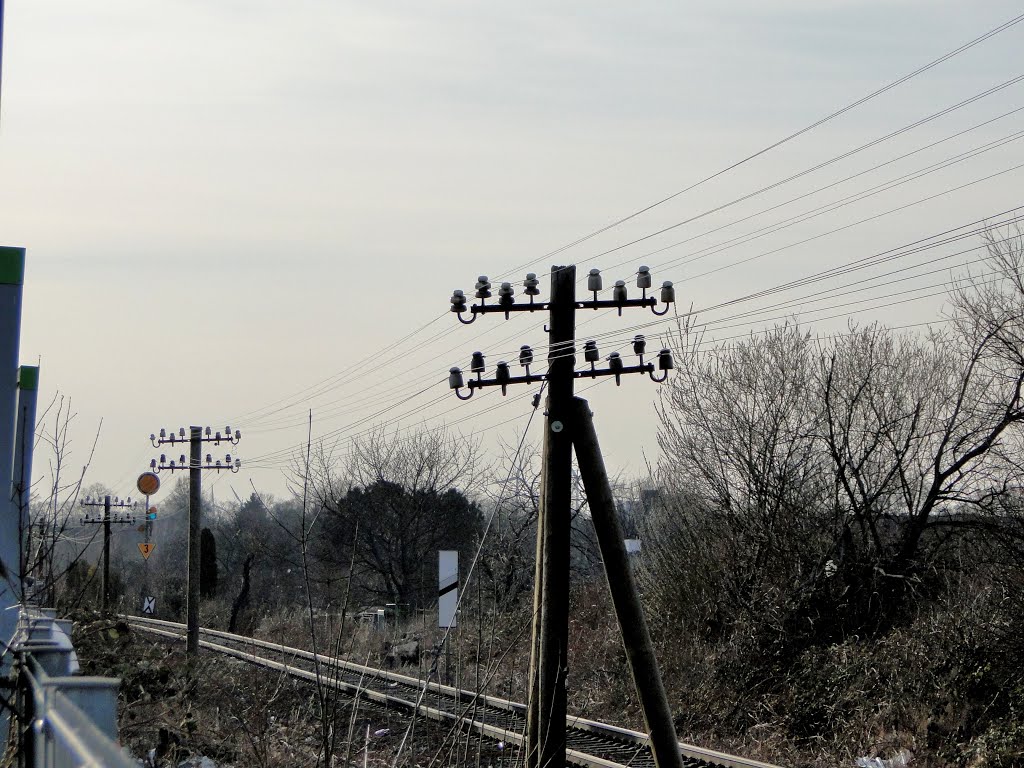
point(148, 483)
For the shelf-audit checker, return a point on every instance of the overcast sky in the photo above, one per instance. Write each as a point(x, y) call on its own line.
point(234, 211)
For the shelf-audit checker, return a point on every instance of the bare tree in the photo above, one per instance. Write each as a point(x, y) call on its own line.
point(745, 503)
point(408, 495)
point(55, 547)
point(507, 561)
point(825, 477)
point(925, 433)
point(514, 495)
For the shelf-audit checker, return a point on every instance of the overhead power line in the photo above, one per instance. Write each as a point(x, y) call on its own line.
point(366, 401)
point(812, 192)
point(283, 456)
point(853, 266)
point(357, 371)
point(853, 105)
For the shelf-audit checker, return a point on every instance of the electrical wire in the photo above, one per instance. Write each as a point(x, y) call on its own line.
point(916, 247)
point(819, 296)
point(809, 194)
point(311, 392)
point(853, 105)
point(969, 230)
point(857, 198)
point(831, 294)
point(344, 375)
point(379, 395)
point(994, 89)
point(351, 373)
point(332, 382)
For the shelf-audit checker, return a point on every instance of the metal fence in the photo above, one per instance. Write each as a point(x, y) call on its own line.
point(63, 720)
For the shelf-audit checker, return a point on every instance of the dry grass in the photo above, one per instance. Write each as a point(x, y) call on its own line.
point(217, 707)
point(946, 686)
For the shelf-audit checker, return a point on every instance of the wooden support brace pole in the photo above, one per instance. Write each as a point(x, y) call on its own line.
point(635, 636)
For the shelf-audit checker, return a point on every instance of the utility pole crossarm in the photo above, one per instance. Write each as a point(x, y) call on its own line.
point(195, 460)
point(506, 303)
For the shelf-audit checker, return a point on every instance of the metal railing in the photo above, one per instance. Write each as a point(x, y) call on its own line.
point(63, 720)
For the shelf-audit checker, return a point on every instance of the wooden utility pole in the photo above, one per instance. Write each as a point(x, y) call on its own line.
point(195, 503)
point(106, 553)
point(107, 520)
point(556, 501)
point(195, 467)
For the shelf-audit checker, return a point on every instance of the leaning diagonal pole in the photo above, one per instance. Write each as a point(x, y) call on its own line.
point(635, 637)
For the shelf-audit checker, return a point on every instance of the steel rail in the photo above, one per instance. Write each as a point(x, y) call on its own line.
point(617, 736)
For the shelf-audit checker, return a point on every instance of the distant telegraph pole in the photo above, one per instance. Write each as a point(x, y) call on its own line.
point(564, 429)
point(195, 467)
point(108, 518)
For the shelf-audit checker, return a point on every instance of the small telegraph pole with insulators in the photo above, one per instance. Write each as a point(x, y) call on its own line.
point(195, 465)
point(115, 512)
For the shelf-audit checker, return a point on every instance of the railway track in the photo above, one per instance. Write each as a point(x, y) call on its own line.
point(590, 744)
